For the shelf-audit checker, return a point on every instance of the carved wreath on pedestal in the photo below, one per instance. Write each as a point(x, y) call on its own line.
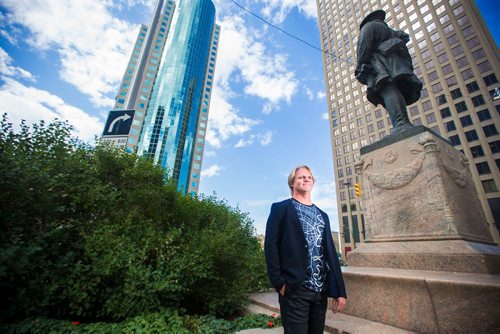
point(399, 177)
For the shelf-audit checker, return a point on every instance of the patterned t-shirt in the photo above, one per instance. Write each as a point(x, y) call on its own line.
point(313, 226)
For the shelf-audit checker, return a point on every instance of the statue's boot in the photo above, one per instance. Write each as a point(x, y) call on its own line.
point(400, 121)
point(395, 105)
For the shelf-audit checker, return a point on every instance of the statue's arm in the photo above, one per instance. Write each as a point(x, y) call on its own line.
point(364, 53)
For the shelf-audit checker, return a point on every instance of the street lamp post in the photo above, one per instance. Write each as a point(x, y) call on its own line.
point(349, 212)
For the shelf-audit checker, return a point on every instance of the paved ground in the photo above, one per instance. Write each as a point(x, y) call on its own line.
point(267, 303)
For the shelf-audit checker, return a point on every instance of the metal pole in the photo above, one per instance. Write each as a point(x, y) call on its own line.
point(349, 212)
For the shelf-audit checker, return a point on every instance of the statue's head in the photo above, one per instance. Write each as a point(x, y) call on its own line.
point(376, 15)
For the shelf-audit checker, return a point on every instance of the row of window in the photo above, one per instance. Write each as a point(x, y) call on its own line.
point(471, 135)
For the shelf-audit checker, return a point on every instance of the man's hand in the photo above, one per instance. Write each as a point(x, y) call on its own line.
point(282, 290)
point(337, 304)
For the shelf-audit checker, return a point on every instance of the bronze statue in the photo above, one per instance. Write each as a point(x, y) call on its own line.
point(385, 66)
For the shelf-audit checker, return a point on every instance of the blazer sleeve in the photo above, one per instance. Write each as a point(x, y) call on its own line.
point(335, 278)
point(271, 247)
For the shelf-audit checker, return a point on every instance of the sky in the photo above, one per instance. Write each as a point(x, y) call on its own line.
point(65, 59)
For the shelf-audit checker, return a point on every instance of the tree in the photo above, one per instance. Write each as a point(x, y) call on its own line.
point(96, 233)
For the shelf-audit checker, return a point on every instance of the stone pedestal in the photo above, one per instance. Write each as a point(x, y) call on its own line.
point(429, 263)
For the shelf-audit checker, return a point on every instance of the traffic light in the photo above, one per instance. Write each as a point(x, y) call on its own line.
point(357, 189)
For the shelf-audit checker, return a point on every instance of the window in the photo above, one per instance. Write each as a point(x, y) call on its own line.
point(447, 69)
point(490, 130)
point(483, 168)
point(445, 112)
point(427, 105)
point(430, 118)
point(489, 186)
point(438, 47)
point(495, 146)
point(414, 110)
point(472, 87)
point(478, 54)
point(462, 62)
point(484, 66)
point(380, 124)
point(450, 126)
point(468, 31)
point(477, 151)
point(451, 81)
point(458, 50)
point(467, 74)
point(490, 79)
point(471, 135)
point(463, 20)
point(484, 115)
point(441, 99)
point(456, 93)
point(461, 107)
point(433, 75)
point(442, 58)
point(454, 140)
point(478, 100)
point(466, 121)
point(436, 88)
point(473, 42)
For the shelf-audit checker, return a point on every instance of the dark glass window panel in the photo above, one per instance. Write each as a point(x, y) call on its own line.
point(471, 135)
point(455, 140)
point(483, 168)
point(484, 115)
point(477, 151)
point(490, 130)
point(466, 121)
point(450, 126)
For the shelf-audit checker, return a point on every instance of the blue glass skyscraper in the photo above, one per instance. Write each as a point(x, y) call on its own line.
point(173, 127)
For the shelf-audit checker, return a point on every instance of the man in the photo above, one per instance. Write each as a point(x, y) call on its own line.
point(301, 259)
point(385, 66)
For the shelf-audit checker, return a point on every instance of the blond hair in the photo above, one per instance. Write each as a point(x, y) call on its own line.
point(291, 177)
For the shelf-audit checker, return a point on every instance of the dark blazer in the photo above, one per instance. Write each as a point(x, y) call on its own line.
point(285, 248)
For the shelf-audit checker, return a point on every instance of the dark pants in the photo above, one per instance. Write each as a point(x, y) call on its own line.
point(303, 311)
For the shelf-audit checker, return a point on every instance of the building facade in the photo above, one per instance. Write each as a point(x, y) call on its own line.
point(168, 83)
point(457, 60)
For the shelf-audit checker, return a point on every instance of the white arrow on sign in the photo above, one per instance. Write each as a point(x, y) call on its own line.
point(121, 118)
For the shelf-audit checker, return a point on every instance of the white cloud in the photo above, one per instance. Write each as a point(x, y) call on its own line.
point(224, 120)
point(324, 116)
point(264, 74)
point(277, 10)
point(264, 139)
point(321, 95)
point(309, 93)
point(21, 102)
point(242, 59)
point(7, 69)
point(213, 170)
point(93, 45)
point(208, 153)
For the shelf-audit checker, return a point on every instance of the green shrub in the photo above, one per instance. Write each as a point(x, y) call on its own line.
point(93, 233)
point(167, 321)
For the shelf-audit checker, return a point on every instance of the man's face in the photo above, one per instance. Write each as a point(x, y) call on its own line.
point(303, 182)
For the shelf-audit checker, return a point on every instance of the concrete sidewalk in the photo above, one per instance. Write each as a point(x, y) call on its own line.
point(267, 303)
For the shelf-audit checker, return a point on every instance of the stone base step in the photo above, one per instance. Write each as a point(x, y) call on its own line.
point(267, 303)
point(424, 301)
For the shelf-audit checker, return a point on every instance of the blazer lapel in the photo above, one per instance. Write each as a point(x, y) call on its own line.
point(294, 218)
